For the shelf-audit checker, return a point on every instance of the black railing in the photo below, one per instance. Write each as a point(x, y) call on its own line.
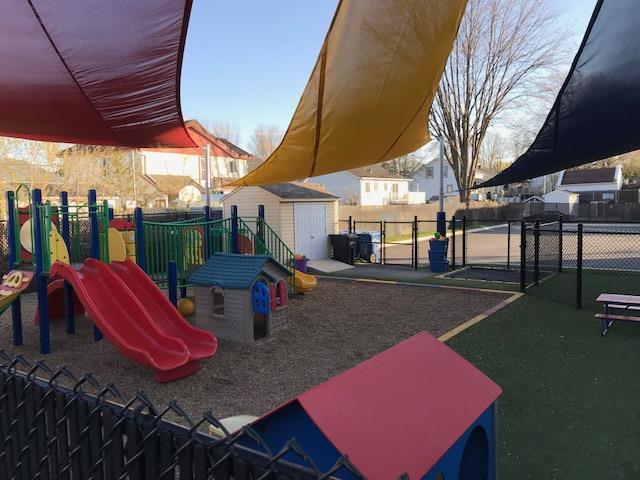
point(54, 425)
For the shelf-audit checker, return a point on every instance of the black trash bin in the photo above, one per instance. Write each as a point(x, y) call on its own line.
point(365, 248)
point(345, 247)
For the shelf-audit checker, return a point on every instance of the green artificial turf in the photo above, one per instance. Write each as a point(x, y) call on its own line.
point(571, 402)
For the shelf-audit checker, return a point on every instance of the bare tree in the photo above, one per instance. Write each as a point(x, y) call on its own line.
point(405, 166)
point(503, 50)
point(265, 139)
point(223, 129)
point(493, 153)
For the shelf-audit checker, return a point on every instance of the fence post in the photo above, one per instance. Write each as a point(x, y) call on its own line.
point(383, 241)
point(234, 229)
point(560, 234)
point(43, 306)
point(523, 256)
point(14, 260)
point(69, 324)
point(508, 244)
point(579, 269)
point(453, 242)
point(464, 240)
point(414, 243)
point(536, 252)
point(350, 220)
point(172, 282)
point(140, 252)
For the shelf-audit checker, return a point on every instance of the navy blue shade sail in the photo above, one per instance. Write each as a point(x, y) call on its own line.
point(597, 112)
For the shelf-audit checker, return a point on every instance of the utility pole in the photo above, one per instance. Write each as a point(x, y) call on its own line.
point(207, 175)
point(441, 216)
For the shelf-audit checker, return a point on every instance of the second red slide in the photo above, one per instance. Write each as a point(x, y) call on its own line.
point(200, 343)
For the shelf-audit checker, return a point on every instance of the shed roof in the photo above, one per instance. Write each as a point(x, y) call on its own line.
point(435, 394)
point(297, 191)
point(589, 175)
point(227, 270)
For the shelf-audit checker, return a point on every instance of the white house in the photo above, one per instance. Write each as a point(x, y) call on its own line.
point(370, 185)
point(427, 180)
point(227, 161)
point(301, 214)
point(605, 180)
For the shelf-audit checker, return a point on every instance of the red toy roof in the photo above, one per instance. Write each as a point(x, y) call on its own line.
point(401, 410)
point(105, 73)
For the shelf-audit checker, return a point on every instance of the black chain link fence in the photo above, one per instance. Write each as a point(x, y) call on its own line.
point(54, 425)
point(574, 263)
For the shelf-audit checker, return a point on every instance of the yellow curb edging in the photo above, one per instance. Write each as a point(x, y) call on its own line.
point(478, 318)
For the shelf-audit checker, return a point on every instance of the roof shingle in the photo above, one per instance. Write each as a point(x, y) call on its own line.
point(226, 270)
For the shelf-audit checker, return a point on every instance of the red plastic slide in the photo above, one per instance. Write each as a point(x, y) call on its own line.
point(201, 343)
point(124, 321)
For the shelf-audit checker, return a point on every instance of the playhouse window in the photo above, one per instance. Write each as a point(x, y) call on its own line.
point(217, 295)
point(281, 293)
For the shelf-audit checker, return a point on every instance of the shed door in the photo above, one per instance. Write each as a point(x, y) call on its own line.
point(310, 223)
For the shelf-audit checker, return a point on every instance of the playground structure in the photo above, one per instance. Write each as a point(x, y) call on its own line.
point(117, 279)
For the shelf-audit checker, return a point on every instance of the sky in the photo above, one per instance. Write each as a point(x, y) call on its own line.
point(247, 61)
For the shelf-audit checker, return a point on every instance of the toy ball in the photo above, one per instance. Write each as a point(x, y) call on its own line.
point(186, 307)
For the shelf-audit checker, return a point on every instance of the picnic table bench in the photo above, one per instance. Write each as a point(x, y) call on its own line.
point(611, 301)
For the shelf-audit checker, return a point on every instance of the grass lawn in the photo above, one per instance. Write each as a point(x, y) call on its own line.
point(570, 407)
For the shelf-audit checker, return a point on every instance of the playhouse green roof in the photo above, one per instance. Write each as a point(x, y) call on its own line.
point(226, 270)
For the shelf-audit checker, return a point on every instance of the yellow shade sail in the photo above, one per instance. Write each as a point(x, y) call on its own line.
point(369, 95)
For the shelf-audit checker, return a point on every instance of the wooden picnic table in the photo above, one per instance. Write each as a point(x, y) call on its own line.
point(613, 301)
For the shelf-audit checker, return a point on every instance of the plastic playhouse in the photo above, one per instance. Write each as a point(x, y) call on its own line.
point(439, 417)
point(241, 297)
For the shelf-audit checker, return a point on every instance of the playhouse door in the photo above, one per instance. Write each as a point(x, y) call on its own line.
point(311, 229)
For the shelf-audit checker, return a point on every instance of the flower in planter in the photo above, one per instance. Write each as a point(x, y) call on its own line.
point(300, 256)
point(436, 235)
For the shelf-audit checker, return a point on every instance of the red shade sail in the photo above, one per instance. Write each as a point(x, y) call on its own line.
point(93, 71)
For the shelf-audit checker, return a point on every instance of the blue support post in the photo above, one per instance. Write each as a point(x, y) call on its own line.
point(234, 229)
point(140, 253)
point(14, 261)
point(41, 281)
point(441, 222)
point(172, 282)
point(260, 225)
point(111, 213)
point(207, 233)
point(70, 323)
point(92, 200)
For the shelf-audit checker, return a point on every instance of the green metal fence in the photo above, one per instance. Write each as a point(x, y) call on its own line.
point(189, 244)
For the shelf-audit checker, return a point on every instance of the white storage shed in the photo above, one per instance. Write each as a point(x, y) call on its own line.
point(302, 215)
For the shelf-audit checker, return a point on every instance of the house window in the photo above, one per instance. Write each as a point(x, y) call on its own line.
point(367, 187)
point(232, 166)
point(428, 172)
point(445, 171)
point(394, 188)
point(203, 170)
point(449, 188)
point(386, 186)
point(217, 296)
point(375, 186)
